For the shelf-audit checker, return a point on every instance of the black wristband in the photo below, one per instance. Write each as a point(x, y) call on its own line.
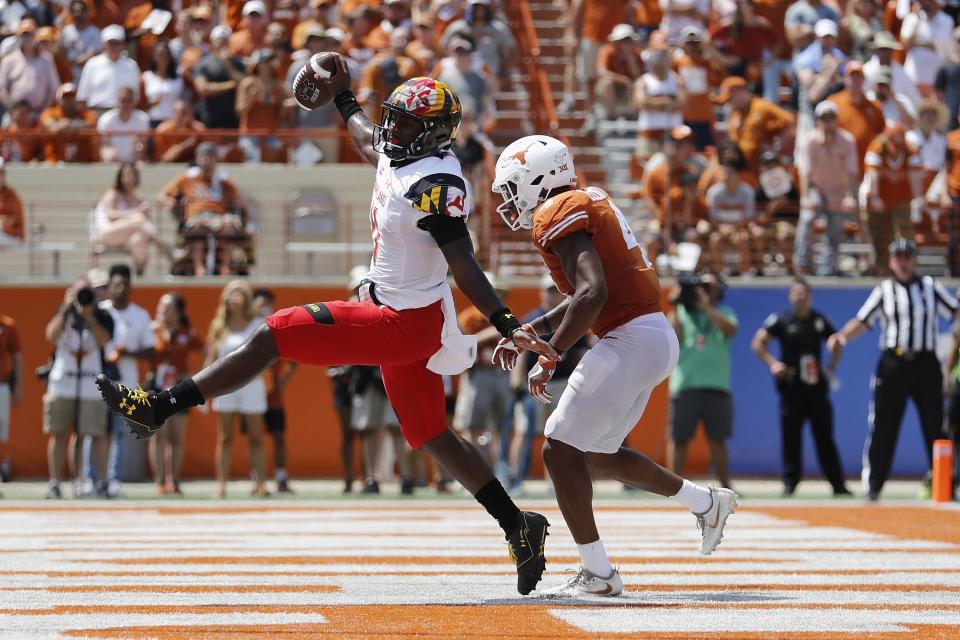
point(505, 322)
point(346, 104)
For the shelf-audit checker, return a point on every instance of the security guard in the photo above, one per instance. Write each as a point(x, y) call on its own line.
point(906, 306)
point(802, 385)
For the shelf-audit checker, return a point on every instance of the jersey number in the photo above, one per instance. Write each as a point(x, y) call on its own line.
point(628, 237)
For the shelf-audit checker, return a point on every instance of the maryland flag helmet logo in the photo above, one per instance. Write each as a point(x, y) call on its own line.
point(419, 119)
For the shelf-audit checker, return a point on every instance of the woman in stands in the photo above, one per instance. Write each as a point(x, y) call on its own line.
point(122, 219)
point(234, 322)
point(162, 84)
point(175, 341)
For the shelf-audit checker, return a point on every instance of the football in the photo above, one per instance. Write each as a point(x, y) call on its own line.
point(319, 80)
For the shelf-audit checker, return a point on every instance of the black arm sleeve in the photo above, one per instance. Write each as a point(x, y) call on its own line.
point(443, 228)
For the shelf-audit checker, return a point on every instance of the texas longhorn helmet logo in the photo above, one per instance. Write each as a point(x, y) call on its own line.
point(521, 156)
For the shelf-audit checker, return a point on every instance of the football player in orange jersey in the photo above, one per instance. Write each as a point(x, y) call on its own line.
point(612, 289)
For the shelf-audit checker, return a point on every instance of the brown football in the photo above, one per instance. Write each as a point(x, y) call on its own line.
point(319, 80)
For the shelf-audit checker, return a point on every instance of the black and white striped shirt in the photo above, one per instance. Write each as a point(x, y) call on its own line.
point(908, 312)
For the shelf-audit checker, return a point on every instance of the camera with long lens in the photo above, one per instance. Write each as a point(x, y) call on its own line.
point(689, 283)
point(84, 297)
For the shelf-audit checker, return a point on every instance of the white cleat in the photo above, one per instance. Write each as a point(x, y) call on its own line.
point(587, 584)
point(711, 522)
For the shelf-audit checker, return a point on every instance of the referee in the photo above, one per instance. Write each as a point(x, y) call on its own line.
point(906, 306)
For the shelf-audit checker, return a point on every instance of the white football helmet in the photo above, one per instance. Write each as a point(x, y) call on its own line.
point(528, 170)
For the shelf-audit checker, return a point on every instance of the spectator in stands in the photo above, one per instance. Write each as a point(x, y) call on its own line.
point(471, 86)
point(743, 40)
point(20, 146)
point(588, 24)
point(660, 97)
point(927, 139)
point(320, 19)
point(254, 33)
point(125, 128)
point(801, 19)
point(891, 190)
point(819, 68)
point(80, 38)
point(696, 75)
point(947, 82)
point(48, 45)
point(277, 379)
point(174, 341)
point(215, 79)
point(732, 211)
point(162, 84)
point(11, 374)
point(385, 72)
point(355, 47)
point(423, 45)
point(928, 36)
point(856, 113)
point(680, 14)
point(27, 74)
point(671, 186)
point(104, 74)
point(68, 122)
point(700, 384)
point(755, 124)
point(11, 212)
point(884, 47)
point(829, 169)
point(190, 45)
point(79, 332)
point(147, 23)
point(863, 24)
point(494, 42)
point(131, 346)
point(212, 206)
point(235, 321)
point(619, 65)
point(396, 15)
point(897, 108)
point(260, 107)
point(176, 139)
point(277, 43)
point(471, 147)
point(122, 219)
point(103, 13)
point(371, 416)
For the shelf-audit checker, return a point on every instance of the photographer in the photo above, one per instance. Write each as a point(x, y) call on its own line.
point(79, 331)
point(700, 384)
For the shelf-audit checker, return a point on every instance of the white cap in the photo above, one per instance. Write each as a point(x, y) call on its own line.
point(254, 6)
point(825, 107)
point(622, 32)
point(824, 28)
point(690, 33)
point(335, 33)
point(220, 32)
point(113, 32)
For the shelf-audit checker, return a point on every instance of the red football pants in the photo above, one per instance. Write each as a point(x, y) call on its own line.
point(361, 333)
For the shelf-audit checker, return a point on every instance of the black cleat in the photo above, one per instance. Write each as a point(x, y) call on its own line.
point(526, 550)
point(135, 406)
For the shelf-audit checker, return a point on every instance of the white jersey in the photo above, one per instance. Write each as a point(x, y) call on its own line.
point(408, 268)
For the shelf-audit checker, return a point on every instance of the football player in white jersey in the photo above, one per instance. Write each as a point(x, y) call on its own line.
point(405, 321)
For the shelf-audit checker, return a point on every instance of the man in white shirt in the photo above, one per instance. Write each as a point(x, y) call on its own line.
point(133, 339)
point(104, 74)
point(897, 107)
point(884, 44)
point(928, 36)
point(125, 122)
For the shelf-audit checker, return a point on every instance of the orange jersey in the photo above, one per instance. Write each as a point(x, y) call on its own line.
point(893, 171)
point(633, 288)
point(171, 354)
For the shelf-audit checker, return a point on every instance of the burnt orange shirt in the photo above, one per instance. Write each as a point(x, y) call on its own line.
point(264, 111)
point(243, 44)
point(81, 147)
point(600, 17)
point(168, 135)
point(146, 42)
point(864, 121)
point(9, 346)
point(649, 13)
point(655, 189)
point(698, 79)
point(611, 59)
point(171, 354)
point(754, 130)
point(374, 85)
point(11, 212)
point(775, 11)
point(893, 167)
point(104, 12)
point(23, 147)
point(953, 177)
point(633, 288)
point(233, 15)
point(202, 196)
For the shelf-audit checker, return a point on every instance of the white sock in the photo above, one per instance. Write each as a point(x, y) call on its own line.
point(594, 559)
point(694, 497)
point(281, 475)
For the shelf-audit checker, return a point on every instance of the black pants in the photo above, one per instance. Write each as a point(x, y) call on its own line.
point(799, 403)
point(896, 380)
